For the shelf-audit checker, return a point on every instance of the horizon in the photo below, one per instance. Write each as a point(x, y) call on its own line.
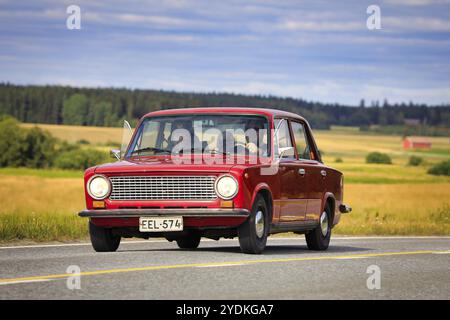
point(368, 104)
point(317, 51)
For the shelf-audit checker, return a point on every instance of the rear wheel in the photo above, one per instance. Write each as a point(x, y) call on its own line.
point(319, 238)
point(190, 241)
point(254, 231)
point(102, 239)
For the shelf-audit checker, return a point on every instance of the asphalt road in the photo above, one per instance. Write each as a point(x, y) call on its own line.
point(409, 268)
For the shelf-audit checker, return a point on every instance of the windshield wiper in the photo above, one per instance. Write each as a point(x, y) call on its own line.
point(150, 149)
point(191, 150)
point(204, 151)
point(216, 152)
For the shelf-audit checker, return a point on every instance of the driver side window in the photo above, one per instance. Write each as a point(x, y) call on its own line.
point(283, 139)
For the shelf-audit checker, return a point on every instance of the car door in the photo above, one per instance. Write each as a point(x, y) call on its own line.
point(310, 183)
point(291, 207)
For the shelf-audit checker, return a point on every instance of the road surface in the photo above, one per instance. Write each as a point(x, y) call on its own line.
point(401, 268)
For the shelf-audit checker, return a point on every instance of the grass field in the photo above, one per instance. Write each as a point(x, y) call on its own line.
point(95, 135)
point(395, 199)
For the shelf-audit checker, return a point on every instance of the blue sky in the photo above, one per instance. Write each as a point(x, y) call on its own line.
point(316, 50)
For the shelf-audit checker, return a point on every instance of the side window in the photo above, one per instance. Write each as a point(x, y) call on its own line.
point(301, 142)
point(283, 139)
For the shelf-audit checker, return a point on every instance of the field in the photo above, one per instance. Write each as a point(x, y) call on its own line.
point(397, 199)
point(95, 135)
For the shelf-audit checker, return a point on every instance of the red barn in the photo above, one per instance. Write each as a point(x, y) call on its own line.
point(416, 143)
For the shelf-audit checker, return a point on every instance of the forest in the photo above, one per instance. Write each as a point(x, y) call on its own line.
point(54, 104)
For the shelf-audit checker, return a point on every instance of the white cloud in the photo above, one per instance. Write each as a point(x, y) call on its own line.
point(301, 25)
point(384, 40)
point(161, 38)
point(343, 92)
point(416, 2)
point(155, 20)
point(435, 95)
point(415, 23)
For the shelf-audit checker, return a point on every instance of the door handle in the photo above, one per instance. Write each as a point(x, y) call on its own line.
point(301, 171)
point(323, 173)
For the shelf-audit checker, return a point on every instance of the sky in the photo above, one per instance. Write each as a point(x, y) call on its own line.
point(315, 50)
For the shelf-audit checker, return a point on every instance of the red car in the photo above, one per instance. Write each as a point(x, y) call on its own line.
point(215, 172)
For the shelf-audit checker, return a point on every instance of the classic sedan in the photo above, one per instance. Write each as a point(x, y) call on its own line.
point(215, 173)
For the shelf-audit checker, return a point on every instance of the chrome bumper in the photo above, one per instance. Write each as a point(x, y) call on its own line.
point(127, 213)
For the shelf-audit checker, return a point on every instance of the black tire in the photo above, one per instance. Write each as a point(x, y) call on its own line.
point(249, 240)
point(315, 238)
point(102, 239)
point(190, 241)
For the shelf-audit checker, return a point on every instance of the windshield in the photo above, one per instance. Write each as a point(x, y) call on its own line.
point(210, 134)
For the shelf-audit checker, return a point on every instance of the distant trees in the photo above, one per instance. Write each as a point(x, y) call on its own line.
point(415, 161)
point(104, 115)
point(40, 148)
point(440, 169)
point(75, 109)
point(11, 143)
point(378, 157)
point(25, 147)
point(109, 106)
point(80, 159)
point(36, 148)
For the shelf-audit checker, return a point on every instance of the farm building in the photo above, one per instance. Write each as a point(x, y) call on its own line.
point(416, 143)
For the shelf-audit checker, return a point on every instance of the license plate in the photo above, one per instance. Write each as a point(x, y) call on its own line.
point(160, 224)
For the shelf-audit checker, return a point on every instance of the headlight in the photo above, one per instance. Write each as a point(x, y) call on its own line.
point(98, 187)
point(226, 187)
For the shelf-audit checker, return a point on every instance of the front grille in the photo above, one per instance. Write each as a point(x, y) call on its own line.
point(163, 188)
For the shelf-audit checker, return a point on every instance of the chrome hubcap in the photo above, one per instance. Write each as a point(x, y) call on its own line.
point(259, 224)
point(324, 223)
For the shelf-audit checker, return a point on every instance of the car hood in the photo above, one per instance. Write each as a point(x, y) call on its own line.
point(160, 164)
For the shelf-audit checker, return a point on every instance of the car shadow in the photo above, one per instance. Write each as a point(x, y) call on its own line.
point(270, 249)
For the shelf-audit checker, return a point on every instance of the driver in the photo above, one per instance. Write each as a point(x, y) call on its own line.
point(256, 125)
point(191, 142)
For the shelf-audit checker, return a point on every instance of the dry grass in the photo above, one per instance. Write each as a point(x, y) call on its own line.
point(41, 209)
point(353, 146)
point(44, 209)
point(397, 209)
point(94, 135)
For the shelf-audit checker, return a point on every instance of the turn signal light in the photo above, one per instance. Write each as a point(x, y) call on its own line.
point(98, 204)
point(226, 204)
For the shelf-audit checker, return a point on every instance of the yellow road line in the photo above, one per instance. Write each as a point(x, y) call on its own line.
point(217, 264)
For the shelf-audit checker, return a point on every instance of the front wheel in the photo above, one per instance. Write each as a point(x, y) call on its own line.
point(102, 239)
point(190, 241)
point(254, 231)
point(319, 238)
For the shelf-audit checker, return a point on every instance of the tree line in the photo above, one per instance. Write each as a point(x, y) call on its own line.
point(110, 106)
point(37, 148)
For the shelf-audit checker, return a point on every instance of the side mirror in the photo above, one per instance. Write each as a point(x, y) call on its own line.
point(115, 153)
point(282, 151)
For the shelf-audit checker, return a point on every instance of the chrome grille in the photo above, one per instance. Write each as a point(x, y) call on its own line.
point(163, 188)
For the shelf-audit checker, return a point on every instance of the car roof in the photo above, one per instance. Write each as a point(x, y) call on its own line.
point(239, 110)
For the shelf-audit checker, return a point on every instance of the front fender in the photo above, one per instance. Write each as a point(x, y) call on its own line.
point(264, 186)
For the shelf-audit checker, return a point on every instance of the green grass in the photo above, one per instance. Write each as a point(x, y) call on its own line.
point(41, 227)
point(43, 173)
point(388, 174)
